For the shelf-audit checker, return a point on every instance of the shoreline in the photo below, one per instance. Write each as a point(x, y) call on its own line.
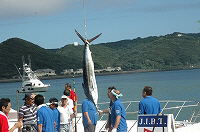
point(97, 74)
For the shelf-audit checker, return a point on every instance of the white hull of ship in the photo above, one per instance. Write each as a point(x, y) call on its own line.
point(34, 89)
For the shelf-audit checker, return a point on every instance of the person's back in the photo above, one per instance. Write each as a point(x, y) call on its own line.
point(149, 105)
point(45, 117)
point(88, 106)
point(45, 121)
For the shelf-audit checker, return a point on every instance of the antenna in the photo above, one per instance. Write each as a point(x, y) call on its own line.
point(84, 21)
point(19, 71)
point(23, 61)
point(29, 59)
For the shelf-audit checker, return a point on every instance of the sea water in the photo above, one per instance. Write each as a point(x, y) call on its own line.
point(167, 85)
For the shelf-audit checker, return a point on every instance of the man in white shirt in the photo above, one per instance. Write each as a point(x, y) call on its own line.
point(70, 101)
point(66, 115)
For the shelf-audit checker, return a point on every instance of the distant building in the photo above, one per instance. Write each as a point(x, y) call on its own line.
point(78, 71)
point(45, 72)
point(179, 35)
point(108, 69)
point(67, 71)
point(118, 68)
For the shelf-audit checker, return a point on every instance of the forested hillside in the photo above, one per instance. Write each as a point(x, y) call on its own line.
point(163, 52)
point(12, 50)
point(177, 50)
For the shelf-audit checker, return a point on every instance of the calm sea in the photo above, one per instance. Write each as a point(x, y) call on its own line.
point(167, 85)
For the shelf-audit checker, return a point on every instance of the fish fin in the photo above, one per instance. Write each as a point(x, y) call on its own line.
point(86, 41)
point(83, 39)
point(90, 40)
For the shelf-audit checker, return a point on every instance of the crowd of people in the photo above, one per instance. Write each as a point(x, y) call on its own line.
point(58, 116)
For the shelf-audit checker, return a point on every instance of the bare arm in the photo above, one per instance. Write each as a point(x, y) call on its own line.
point(117, 121)
point(20, 120)
point(39, 127)
point(73, 115)
point(106, 111)
point(17, 125)
point(88, 118)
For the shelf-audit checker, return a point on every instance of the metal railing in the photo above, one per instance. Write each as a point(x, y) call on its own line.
point(187, 111)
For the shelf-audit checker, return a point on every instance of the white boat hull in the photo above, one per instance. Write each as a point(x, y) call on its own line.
point(35, 89)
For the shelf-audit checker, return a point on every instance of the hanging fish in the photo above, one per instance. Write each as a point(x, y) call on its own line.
point(89, 80)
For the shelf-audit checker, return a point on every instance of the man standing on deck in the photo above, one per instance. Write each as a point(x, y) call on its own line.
point(45, 122)
point(89, 115)
point(53, 104)
point(118, 114)
point(107, 111)
point(66, 115)
point(72, 96)
point(149, 105)
point(27, 112)
point(5, 107)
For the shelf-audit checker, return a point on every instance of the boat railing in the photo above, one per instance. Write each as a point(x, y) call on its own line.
point(183, 111)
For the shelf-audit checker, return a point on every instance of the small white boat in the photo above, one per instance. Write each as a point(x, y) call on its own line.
point(30, 82)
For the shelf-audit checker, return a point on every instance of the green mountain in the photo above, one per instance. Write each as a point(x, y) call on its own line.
point(12, 50)
point(172, 51)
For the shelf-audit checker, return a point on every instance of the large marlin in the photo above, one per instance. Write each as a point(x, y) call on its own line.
point(89, 84)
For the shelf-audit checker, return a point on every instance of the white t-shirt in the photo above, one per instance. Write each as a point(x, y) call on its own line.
point(69, 103)
point(65, 114)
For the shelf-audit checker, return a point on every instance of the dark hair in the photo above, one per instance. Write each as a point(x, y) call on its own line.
point(66, 92)
point(111, 88)
point(39, 99)
point(4, 102)
point(52, 100)
point(148, 90)
point(67, 85)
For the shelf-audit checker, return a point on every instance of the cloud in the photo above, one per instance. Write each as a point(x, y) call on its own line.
point(21, 8)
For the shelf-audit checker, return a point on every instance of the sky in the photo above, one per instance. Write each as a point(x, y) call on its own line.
point(51, 23)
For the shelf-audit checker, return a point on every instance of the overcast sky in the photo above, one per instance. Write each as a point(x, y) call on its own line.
point(51, 23)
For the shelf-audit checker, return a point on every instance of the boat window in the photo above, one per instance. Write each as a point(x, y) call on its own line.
point(28, 84)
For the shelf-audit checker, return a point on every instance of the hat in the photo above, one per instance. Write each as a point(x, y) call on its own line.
point(52, 103)
point(27, 96)
point(64, 97)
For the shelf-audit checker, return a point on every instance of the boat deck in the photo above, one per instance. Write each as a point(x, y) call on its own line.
point(131, 127)
point(190, 123)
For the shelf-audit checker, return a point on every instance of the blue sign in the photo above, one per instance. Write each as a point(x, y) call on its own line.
point(149, 121)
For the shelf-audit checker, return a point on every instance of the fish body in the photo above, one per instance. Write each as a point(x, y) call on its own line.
point(89, 79)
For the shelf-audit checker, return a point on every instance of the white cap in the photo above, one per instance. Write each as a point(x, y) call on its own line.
point(64, 97)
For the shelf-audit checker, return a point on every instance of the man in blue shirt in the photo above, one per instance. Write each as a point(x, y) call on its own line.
point(149, 105)
point(45, 122)
point(118, 114)
point(53, 104)
point(89, 115)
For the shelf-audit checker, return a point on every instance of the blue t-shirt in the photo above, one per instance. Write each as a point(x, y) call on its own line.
point(56, 116)
point(88, 106)
point(117, 109)
point(149, 105)
point(45, 117)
